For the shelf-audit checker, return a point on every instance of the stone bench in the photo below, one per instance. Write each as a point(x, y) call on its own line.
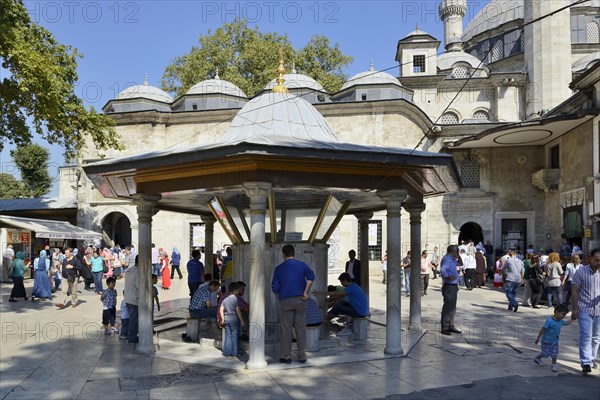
point(193, 330)
point(359, 327)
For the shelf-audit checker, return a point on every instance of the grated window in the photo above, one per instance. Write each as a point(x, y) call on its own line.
point(460, 73)
point(498, 51)
point(593, 36)
point(419, 64)
point(481, 114)
point(469, 173)
point(449, 118)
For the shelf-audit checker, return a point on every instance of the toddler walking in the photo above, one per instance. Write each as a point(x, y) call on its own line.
point(109, 306)
point(550, 334)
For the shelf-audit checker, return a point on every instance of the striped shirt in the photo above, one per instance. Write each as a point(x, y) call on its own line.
point(589, 290)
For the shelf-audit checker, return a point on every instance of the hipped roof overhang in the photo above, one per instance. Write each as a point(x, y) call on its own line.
point(296, 168)
point(537, 132)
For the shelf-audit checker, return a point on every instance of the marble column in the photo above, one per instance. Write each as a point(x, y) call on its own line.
point(415, 210)
point(209, 233)
point(145, 210)
point(363, 251)
point(393, 331)
point(258, 192)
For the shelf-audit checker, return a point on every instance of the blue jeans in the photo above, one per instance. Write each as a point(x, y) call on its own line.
point(230, 346)
point(511, 293)
point(132, 334)
point(204, 313)
point(124, 327)
point(557, 293)
point(156, 269)
point(589, 338)
point(407, 281)
point(97, 281)
point(568, 289)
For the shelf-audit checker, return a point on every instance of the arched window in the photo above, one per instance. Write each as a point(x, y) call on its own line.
point(460, 72)
point(469, 173)
point(482, 115)
point(449, 118)
point(498, 50)
point(591, 29)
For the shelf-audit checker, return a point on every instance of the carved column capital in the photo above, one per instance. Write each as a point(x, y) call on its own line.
point(364, 217)
point(393, 200)
point(415, 210)
point(258, 192)
point(209, 220)
point(146, 205)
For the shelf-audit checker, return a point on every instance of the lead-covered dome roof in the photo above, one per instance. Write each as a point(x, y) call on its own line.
point(273, 117)
point(371, 77)
point(145, 91)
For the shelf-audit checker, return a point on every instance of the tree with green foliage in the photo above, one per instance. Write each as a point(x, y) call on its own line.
point(249, 59)
point(38, 90)
point(10, 187)
point(32, 161)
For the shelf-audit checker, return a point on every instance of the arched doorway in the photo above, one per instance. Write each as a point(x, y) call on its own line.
point(471, 231)
point(116, 228)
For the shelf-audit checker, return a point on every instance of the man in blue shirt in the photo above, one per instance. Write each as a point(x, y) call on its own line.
point(356, 306)
point(195, 270)
point(449, 274)
point(292, 281)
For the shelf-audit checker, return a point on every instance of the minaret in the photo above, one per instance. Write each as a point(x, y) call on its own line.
point(547, 55)
point(452, 13)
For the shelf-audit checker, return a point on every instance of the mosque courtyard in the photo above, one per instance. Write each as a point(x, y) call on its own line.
point(59, 354)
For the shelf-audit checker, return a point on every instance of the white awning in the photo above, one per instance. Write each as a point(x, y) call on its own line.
point(47, 229)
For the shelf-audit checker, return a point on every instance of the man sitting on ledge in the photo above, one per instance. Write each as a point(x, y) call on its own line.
point(201, 305)
point(355, 307)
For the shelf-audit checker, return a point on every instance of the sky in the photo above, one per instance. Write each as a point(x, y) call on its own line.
point(123, 40)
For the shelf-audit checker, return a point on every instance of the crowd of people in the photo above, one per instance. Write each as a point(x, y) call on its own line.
point(555, 279)
point(565, 279)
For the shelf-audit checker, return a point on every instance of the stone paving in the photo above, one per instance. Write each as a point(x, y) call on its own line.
point(60, 354)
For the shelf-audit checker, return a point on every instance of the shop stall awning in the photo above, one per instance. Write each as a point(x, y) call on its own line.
point(47, 229)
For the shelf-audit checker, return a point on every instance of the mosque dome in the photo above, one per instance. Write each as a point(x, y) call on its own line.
point(145, 91)
point(272, 116)
point(585, 62)
point(216, 86)
point(447, 60)
point(297, 81)
point(371, 77)
point(499, 12)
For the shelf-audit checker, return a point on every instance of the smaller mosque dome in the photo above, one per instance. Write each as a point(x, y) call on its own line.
point(270, 117)
point(297, 81)
point(371, 77)
point(216, 86)
point(585, 62)
point(447, 60)
point(145, 91)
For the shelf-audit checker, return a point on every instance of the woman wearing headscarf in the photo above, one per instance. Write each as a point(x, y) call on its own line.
point(166, 274)
point(18, 269)
point(480, 268)
point(41, 284)
point(175, 261)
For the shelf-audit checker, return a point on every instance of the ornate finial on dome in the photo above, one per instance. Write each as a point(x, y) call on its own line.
point(146, 80)
point(371, 68)
point(280, 88)
point(294, 68)
point(417, 27)
point(217, 74)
